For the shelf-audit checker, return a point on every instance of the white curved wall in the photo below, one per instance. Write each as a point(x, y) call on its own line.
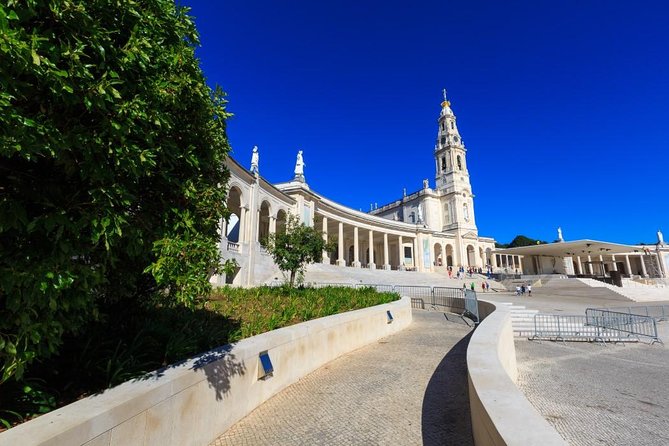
point(501, 415)
point(192, 403)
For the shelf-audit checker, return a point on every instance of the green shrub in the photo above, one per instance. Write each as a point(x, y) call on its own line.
point(112, 173)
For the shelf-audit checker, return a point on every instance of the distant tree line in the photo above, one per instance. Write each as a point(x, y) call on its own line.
point(520, 240)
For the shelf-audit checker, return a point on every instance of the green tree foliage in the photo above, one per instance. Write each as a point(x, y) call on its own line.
point(111, 155)
point(296, 247)
point(520, 240)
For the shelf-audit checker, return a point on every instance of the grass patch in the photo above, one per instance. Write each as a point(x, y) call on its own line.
point(128, 342)
point(267, 308)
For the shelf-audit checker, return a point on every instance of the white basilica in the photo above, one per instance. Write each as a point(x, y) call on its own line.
point(422, 231)
point(426, 230)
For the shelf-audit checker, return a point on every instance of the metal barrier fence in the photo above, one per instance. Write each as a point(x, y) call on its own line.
point(560, 327)
point(632, 324)
point(658, 312)
point(594, 326)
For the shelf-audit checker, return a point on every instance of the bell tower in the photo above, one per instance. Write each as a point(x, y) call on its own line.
point(452, 176)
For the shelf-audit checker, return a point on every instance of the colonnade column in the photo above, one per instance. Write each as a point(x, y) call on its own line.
point(356, 248)
point(341, 261)
point(580, 266)
point(444, 258)
point(628, 267)
point(326, 256)
point(643, 266)
point(614, 267)
point(386, 263)
point(414, 244)
point(272, 225)
point(372, 263)
point(242, 225)
point(400, 256)
point(590, 265)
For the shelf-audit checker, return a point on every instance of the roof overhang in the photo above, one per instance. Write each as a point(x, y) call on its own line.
point(573, 248)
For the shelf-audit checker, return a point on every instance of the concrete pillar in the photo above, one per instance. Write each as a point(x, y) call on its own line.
point(243, 225)
point(401, 254)
point(628, 267)
point(590, 265)
point(372, 263)
point(601, 260)
point(386, 262)
point(643, 266)
point(414, 244)
point(614, 267)
point(660, 263)
point(326, 257)
point(341, 261)
point(356, 248)
point(580, 266)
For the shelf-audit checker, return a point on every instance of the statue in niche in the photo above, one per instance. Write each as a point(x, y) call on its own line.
point(254, 160)
point(426, 184)
point(420, 214)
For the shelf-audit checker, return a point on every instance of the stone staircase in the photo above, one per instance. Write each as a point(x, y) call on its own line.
point(634, 291)
point(324, 273)
point(522, 319)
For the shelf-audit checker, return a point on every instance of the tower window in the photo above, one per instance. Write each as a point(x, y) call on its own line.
point(443, 140)
point(442, 126)
point(452, 125)
point(443, 163)
point(459, 163)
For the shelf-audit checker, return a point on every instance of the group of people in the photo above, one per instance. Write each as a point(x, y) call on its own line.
point(521, 289)
point(461, 272)
point(485, 286)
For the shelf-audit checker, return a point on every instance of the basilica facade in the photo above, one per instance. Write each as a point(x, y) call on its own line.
point(429, 229)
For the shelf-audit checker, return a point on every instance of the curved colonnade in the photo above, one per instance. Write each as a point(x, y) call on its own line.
point(362, 240)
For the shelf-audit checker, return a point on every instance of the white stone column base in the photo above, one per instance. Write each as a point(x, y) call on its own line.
point(386, 267)
point(356, 265)
point(341, 262)
point(372, 266)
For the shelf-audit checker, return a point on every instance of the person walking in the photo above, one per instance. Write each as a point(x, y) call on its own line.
point(517, 290)
point(472, 286)
point(483, 286)
point(529, 290)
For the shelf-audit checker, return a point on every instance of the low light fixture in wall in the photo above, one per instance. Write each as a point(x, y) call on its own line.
point(389, 317)
point(265, 367)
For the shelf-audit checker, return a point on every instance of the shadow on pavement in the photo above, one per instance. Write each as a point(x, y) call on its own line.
point(445, 415)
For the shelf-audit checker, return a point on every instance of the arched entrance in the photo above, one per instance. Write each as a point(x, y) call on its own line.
point(263, 221)
point(281, 221)
point(449, 255)
point(234, 204)
point(438, 257)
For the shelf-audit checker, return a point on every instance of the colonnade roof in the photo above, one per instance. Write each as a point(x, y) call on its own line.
point(573, 248)
point(347, 213)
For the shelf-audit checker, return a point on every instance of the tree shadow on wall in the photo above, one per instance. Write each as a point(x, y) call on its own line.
point(130, 343)
point(445, 416)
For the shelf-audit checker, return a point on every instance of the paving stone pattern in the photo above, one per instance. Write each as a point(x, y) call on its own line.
point(599, 395)
point(406, 389)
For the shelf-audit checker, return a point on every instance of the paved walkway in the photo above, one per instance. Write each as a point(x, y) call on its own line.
point(406, 389)
point(598, 395)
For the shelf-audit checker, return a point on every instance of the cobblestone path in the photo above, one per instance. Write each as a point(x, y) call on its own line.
point(406, 389)
point(598, 395)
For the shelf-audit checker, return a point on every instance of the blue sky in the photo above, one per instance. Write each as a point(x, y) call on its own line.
point(563, 106)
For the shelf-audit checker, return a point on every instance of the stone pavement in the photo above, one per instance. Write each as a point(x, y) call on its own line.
point(406, 389)
point(599, 395)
